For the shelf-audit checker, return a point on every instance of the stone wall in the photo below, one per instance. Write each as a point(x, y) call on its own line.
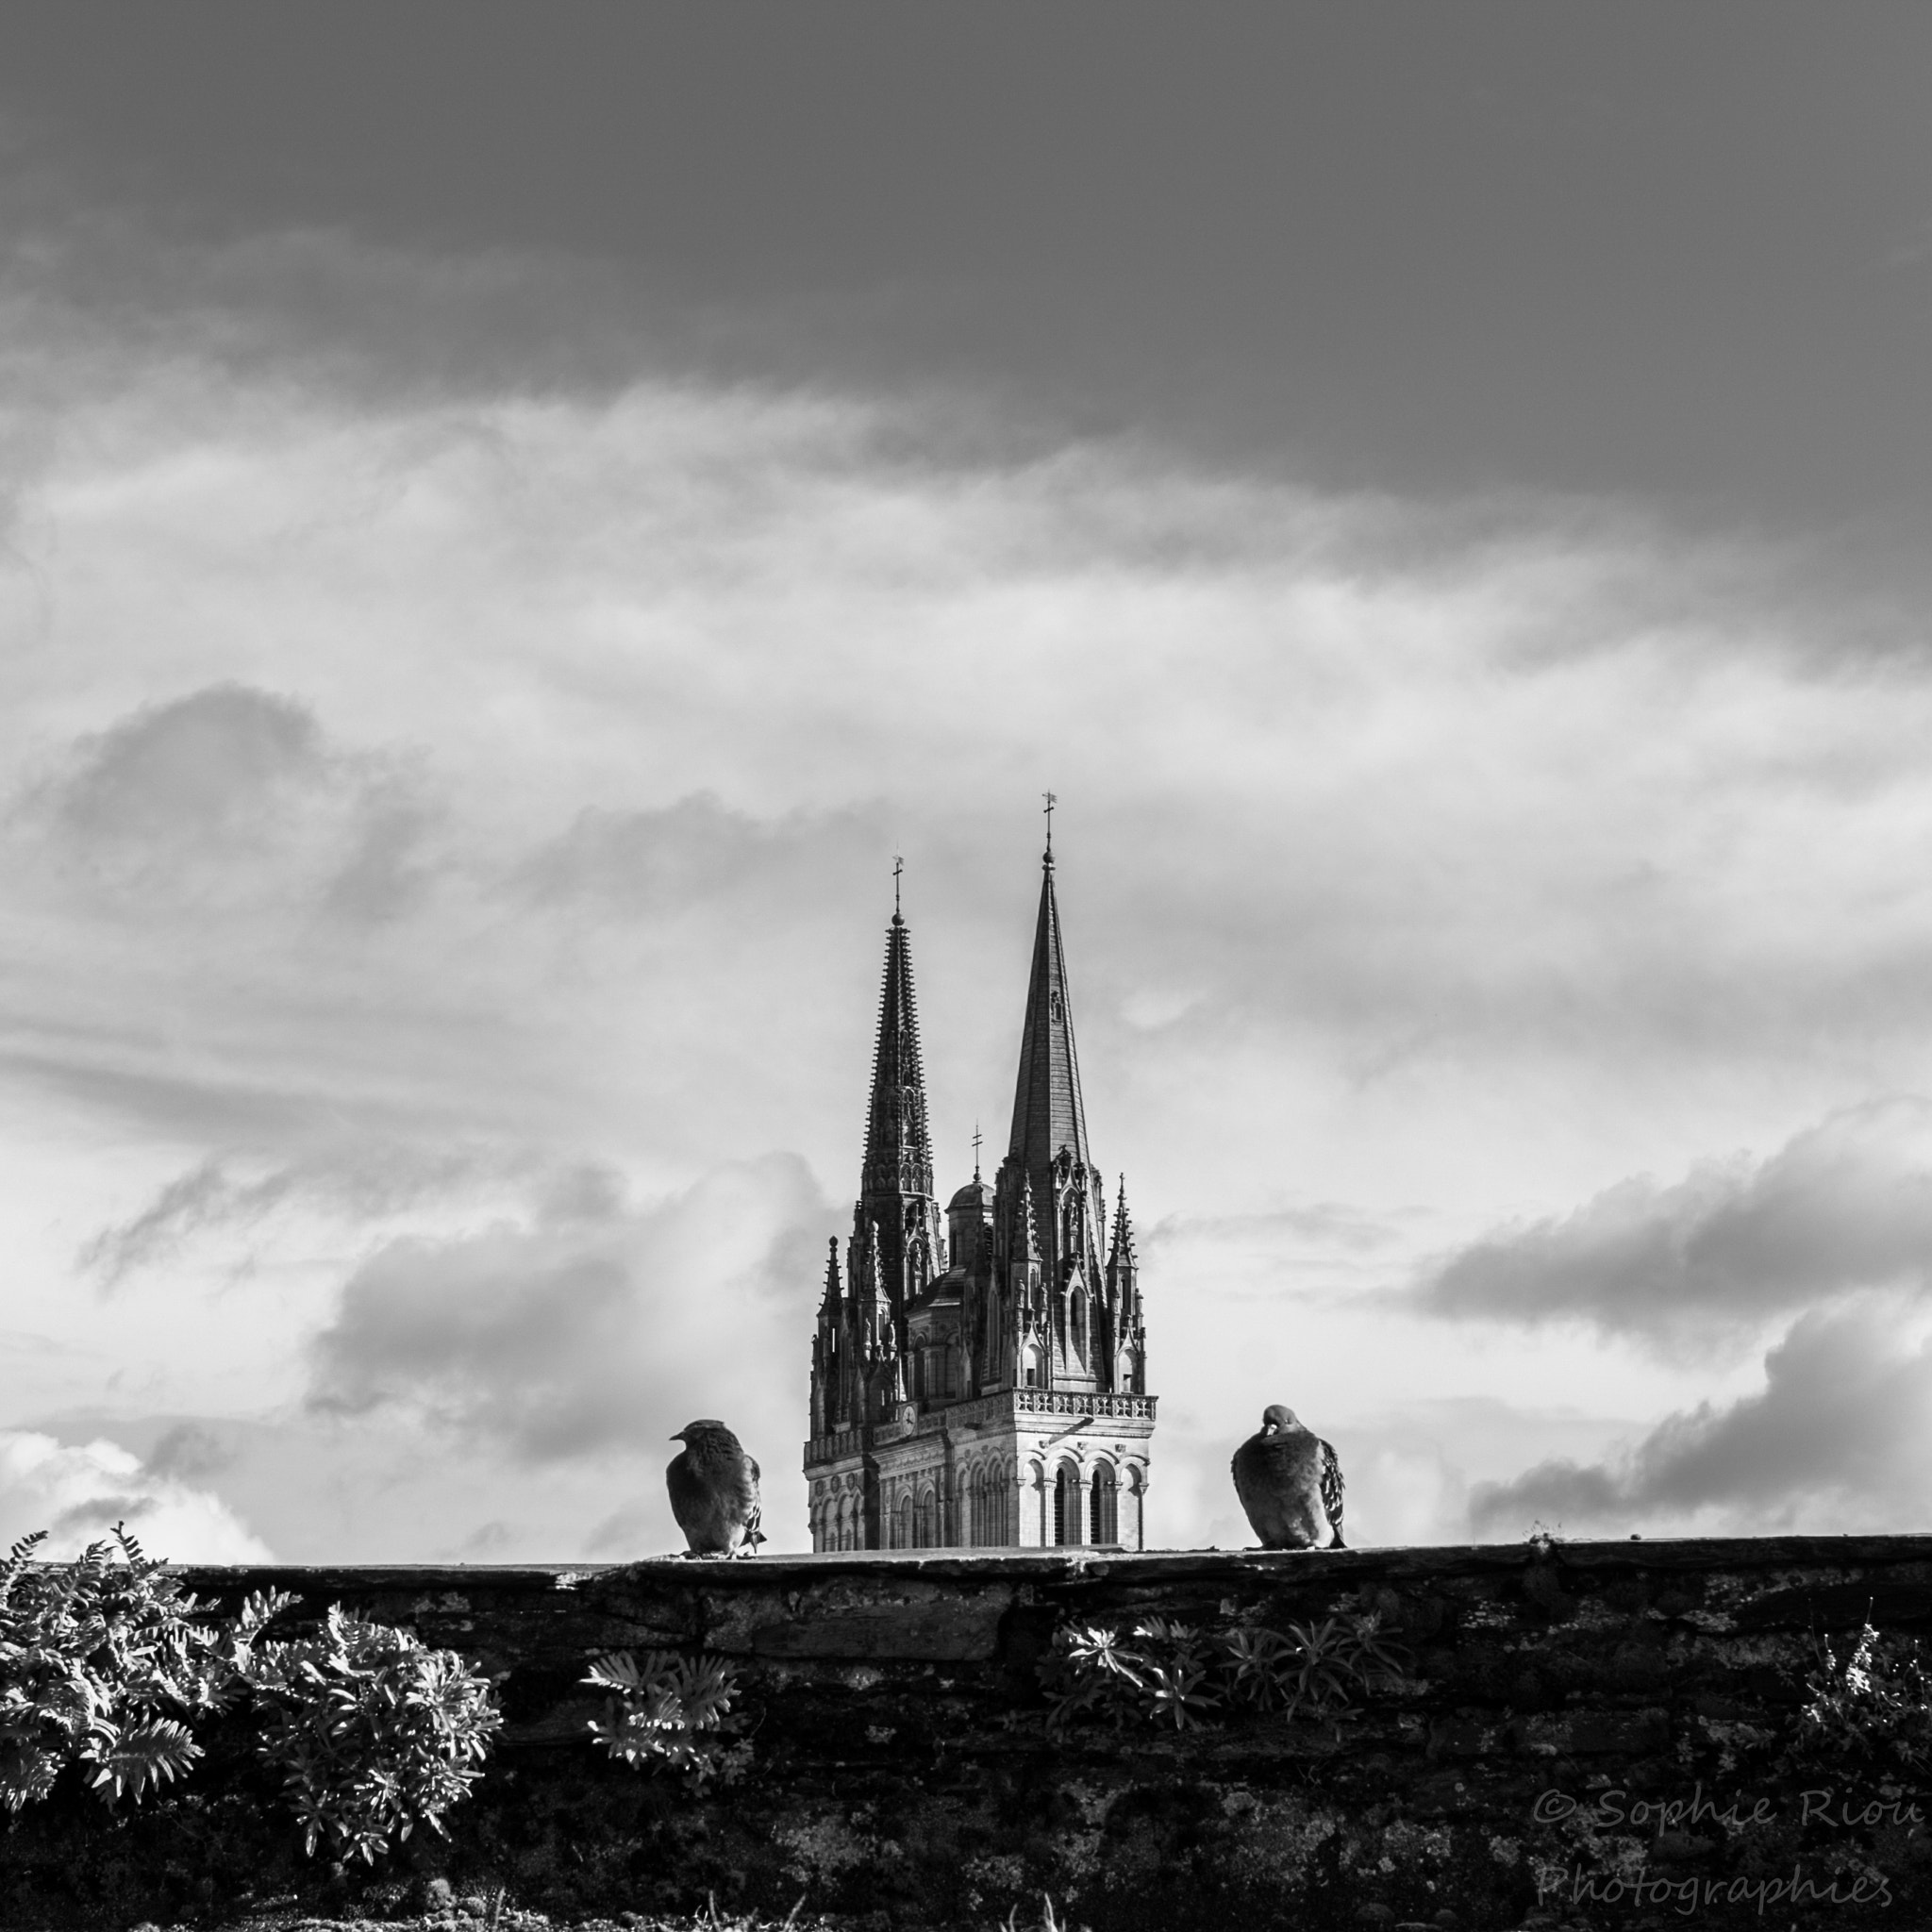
point(1586, 1734)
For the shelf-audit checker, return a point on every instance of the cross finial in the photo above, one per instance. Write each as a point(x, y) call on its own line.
point(976, 1138)
point(898, 867)
point(1051, 802)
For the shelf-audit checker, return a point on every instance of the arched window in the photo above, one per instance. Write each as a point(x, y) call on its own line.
point(1076, 1325)
point(903, 1540)
point(1066, 1504)
point(1105, 1515)
point(922, 1522)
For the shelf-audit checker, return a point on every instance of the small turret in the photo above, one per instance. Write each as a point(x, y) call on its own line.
point(1124, 1298)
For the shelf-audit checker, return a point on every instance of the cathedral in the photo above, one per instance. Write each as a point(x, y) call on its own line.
point(979, 1378)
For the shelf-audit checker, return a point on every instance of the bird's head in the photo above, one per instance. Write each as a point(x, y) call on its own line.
point(1275, 1418)
point(701, 1428)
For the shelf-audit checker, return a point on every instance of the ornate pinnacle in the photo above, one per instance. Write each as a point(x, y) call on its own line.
point(1123, 1226)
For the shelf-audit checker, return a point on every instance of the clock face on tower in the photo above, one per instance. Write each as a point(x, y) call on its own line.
point(907, 1415)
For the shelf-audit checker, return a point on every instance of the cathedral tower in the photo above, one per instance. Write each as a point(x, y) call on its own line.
point(983, 1387)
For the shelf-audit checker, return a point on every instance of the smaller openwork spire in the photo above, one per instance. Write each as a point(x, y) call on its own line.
point(1123, 1243)
point(1028, 1244)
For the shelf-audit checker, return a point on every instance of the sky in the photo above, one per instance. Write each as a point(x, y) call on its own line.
point(512, 520)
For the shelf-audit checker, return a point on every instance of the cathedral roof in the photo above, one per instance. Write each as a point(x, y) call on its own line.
point(976, 1194)
point(1048, 1113)
point(943, 1291)
point(898, 1146)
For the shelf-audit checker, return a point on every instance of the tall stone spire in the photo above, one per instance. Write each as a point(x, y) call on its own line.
point(897, 1243)
point(898, 1146)
point(1048, 1113)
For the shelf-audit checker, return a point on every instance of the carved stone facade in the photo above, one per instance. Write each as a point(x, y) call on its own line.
point(982, 1385)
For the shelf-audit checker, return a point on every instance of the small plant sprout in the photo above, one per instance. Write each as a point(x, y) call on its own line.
point(1872, 1710)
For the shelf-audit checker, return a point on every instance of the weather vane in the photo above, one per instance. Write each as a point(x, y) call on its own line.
point(898, 866)
point(976, 1138)
point(1051, 802)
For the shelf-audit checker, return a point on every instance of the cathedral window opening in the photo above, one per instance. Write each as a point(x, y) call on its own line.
point(903, 1540)
point(922, 1522)
point(1076, 1325)
point(1105, 1507)
point(1066, 1504)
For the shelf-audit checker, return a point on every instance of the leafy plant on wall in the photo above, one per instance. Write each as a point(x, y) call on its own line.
point(103, 1662)
point(106, 1661)
point(1166, 1672)
point(670, 1711)
point(373, 1732)
point(1869, 1714)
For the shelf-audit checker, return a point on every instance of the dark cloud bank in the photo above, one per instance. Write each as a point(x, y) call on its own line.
point(1836, 1226)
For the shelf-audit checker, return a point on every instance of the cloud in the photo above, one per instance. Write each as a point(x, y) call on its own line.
point(233, 791)
point(361, 1181)
point(601, 1329)
point(697, 848)
point(1840, 1438)
point(1845, 1205)
point(189, 1450)
point(79, 1493)
point(1431, 862)
point(203, 769)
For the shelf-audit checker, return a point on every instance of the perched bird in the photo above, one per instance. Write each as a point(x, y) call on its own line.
point(714, 1492)
point(1290, 1483)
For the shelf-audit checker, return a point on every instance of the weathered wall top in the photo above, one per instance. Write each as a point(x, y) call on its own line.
point(1577, 1729)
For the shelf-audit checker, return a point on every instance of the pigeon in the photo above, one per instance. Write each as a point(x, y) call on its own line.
point(1290, 1483)
point(714, 1492)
